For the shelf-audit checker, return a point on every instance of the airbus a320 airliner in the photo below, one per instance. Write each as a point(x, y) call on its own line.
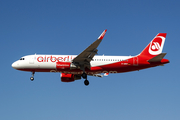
point(75, 67)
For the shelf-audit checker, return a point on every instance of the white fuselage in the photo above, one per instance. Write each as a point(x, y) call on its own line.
point(49, 61)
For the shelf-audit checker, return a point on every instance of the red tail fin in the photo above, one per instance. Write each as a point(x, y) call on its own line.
point(155, 47)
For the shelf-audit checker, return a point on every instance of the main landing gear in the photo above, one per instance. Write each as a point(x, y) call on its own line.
point(86, 82)
point(32, 78)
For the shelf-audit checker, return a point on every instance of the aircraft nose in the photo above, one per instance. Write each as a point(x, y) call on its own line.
point(15, 65)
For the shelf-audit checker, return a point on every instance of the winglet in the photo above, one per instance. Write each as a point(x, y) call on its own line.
point(102, 35)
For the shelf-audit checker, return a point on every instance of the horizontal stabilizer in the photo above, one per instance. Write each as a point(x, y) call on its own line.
point(157, 58)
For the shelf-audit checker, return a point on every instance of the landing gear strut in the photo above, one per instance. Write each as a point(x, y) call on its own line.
point(86, 82)
point(84, 75)
point(32, 78)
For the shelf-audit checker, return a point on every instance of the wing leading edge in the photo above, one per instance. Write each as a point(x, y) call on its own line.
point(84, 58)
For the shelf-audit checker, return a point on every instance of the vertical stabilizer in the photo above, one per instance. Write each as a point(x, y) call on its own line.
point(155, 47)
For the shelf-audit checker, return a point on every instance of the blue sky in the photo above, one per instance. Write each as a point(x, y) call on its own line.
point(68, 27)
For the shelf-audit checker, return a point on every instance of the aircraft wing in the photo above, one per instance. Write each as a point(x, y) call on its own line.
point(84, 58)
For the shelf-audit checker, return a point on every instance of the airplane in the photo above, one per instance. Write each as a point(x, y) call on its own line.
point(75, 67)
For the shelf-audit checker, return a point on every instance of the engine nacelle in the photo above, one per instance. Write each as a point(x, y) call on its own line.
point(67, 77)
point(65, 66)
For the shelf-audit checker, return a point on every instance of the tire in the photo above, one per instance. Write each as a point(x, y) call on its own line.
point(86, 82)
point(31, 78)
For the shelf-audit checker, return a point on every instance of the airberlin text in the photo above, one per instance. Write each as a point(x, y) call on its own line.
point(54, 59)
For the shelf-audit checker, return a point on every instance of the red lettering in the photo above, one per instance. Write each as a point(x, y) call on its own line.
point(59, 59)
point(66, 58)
point(45, 59)
point(40, 59)
point(53, 59)
point(71, 58)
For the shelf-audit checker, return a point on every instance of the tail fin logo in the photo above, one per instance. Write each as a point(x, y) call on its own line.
point(156, 45)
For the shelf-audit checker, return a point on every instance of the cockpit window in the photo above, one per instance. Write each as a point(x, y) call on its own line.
point(21, 58)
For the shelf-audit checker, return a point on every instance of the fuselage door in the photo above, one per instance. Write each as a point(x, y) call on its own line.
point(31, 60)
point(135, 61)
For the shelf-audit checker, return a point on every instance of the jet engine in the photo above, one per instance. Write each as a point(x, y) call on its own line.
point(69, 77)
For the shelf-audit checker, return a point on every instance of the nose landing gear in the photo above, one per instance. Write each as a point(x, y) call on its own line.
point(32, 78)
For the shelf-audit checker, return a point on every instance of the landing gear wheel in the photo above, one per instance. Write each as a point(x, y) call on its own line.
point(31, 78)
point(86, 82)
